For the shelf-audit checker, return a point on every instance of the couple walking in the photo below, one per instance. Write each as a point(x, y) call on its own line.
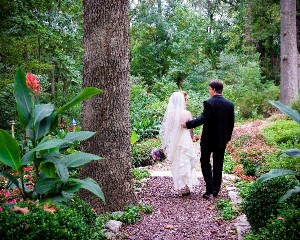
point(217, 119)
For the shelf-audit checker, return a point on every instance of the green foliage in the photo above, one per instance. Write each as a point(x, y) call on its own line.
point(228, 163)
point(261, 203)
point(244, 188)
point(285, 133)
point(42, 37)
point(130, 214)
point(295, 104)
point(286, 227)
point(65, 223)
point(146, 112)
point(140, 174)
point(83, 209)
point(227, 211)
point(141, 152)
point(242, 76)
point(50, 164)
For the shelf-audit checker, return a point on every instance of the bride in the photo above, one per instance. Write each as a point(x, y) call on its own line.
point(178, 144)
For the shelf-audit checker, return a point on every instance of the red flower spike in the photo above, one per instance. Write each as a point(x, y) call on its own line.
point(32, 83)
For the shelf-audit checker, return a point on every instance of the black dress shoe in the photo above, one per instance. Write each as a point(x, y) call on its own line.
point(215, 194)
point(206, 195)
point(186, 193)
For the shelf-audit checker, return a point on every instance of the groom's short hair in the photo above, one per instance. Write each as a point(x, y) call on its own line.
point(217, 85)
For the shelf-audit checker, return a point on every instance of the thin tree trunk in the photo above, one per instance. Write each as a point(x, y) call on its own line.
point(248, 34)
point(289, 54)
point(106, 66)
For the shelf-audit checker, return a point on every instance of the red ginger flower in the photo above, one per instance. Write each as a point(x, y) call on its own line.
point(32, 83)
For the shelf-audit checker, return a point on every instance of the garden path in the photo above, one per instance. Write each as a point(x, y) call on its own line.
point(189, 217)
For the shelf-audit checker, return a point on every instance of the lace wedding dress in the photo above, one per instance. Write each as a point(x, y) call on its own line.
point(178, 144)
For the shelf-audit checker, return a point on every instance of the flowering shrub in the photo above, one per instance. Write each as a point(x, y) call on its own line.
point(249, 149)
point(158, 154)
point(45, 157)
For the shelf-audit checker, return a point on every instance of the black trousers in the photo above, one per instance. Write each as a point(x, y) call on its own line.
point(212, 177)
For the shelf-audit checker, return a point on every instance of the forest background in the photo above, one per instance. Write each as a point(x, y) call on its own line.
point(173, 45)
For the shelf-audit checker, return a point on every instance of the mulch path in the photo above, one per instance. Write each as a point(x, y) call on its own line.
point(173, 217)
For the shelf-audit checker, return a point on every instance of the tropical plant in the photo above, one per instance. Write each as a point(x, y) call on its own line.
point(290, 152)
point(50, 163)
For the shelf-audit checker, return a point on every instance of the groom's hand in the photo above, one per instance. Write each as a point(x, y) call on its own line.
point(183, 125)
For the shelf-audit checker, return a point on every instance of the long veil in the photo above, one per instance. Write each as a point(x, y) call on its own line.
point(170, 129)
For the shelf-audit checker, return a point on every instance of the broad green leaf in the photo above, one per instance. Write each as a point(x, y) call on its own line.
point(67, 195)
point(71, 137)
point(45, 185)
point(52, 143)
point(83, 95)
point(23, 98)
point(78, 136)
point(48, 169)
point(53, 157)
point(72, 187)
point(292, 152)
point(28, 157)
point(79, 159)
point(42, 111)
point(276, 173)
point(289, 193)
point(133, 138)
point(62, 171)
point(92, 186)
point(42, 128)
point(287, 110)
point(9, 151)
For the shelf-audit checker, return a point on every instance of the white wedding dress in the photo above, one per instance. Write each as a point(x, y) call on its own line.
point(178, 144)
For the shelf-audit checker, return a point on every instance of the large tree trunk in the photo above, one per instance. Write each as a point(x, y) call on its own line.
point(106, 66)
point(288, 36)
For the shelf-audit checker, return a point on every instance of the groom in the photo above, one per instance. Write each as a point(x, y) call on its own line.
point(218, 122)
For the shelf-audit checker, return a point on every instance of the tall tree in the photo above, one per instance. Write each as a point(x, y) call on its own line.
point(288, 65)
point(106, 66)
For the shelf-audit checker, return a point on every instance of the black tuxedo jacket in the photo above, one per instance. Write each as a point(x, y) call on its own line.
point(218, 122)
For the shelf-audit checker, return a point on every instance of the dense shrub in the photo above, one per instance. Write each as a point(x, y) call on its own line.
point(141, 152)
point(65, 223)
point(285, 133)
point(83, 209)
point(261, 203)
point(146, 111)
point(285, 227)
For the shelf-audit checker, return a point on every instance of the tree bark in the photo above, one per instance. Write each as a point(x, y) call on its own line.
point(106, 66)
point(289, 64)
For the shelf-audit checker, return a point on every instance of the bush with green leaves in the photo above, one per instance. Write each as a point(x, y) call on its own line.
point(46, 153)
point(244, 188)
point(140, 174)
point(243, 86)
point(141, 152)
point(83, 209)
point(227, 210)
point(262, 203)
point(283, 133)
point(64, 223)
point(285, 227)
point(146, 112)
point(228, 163)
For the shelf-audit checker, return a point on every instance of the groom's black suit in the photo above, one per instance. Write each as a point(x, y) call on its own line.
point(218, 122)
